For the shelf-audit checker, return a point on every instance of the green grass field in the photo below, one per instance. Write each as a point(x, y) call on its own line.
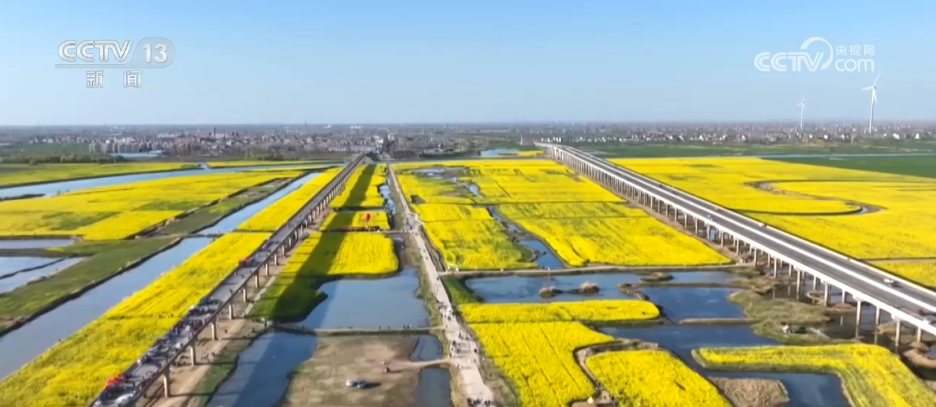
point(736, 149)
point(919, 166)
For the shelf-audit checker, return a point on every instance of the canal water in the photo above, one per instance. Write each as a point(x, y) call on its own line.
point(434, 388)
point(388, 199)
point(805, 389)
point(11, 265)
point(263, 370)
point(362, 304)
point(546, 258)
point(22, 278)
point(231, 222)
point(495, 152)
point(31, 340)
point(676, 303)
point(54, 188)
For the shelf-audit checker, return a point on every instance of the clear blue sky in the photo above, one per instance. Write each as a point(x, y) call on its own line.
point(435, 61)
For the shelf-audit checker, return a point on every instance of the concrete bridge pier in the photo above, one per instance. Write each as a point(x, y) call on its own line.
point(256, 279)
point(165, 380)
point(266, 268)
point(877, 316)
point(214, 330)
point(243, 292)
point(825, 295)
point(275, 260)
point(192, 360)
point(230, 311)
point(919, 334)
point(858, 317)
point(897, 335)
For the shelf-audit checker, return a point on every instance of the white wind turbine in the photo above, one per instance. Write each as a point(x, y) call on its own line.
point(802, 108)
point(873, 89)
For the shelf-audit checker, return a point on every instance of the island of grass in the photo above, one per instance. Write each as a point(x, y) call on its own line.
point(102, 261)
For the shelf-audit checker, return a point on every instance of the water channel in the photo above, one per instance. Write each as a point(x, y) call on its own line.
point(231, 222)
point(263, 370)
point(676, 303)
point(34, 243)
point(805, 389)
point(362, 304)
point(19, 279)
point(12, 265)
point(545, 257)
point(29, 341)
point(53, 188)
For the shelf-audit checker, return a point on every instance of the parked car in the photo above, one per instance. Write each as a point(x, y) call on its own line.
point(890, 282)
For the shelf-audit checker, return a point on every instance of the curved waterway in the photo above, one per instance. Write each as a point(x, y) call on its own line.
point(31, 340)
point(54, 188)
point(805, 389)
point(232, 221)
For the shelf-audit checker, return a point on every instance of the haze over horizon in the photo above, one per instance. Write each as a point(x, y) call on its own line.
point(366, 62)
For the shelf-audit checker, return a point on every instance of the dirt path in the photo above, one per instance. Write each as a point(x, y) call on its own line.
point(468, 363)
point(752, 392)
point(322, 380)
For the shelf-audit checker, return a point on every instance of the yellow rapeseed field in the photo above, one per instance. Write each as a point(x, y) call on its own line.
point(539, 359)
point(118, 212)
point(338, 220)
point(450, 212)
point(275, 215)
point(923, 272)
point(652, 378)
point(21, 174)
point(254, 163)
point(621, 241)
point(338, 253)
point(124, 225)
point(899, 223)
point(591, 311)
point(530, 153)
point(871, 374)
point(566, 210)
point(476, 245)
point(580, 220)
point(73, 371)
point(362, 190)
point(728, 182)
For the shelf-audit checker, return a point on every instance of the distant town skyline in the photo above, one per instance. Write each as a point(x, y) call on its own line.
point(410, 62)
